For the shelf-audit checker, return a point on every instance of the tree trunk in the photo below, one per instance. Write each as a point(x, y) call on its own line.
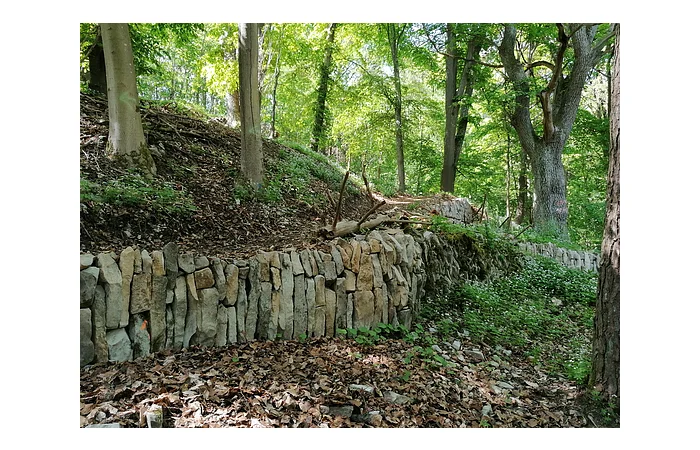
point(273, 124)
point(233, 108)
point(550, 208)
point(394, 36)
point(456, 108)
point(126, 143)
point(318, 132)
point(251, 141)
point(559, 103)
point(96, 60)
point(449, 171)
point(523, 209)
point(605, 374)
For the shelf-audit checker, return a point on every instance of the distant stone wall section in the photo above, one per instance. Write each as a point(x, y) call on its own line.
point(570, 258)
point(457, 210)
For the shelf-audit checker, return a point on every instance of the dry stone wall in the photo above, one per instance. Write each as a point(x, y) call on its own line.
point(135, 302)
point(570, 258)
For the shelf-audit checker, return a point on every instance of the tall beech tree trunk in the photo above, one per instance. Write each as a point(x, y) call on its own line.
point(456, 106)
point(251, 140)
point(605, 374)
point(319, 128)
point(394, 37)
point(126, 143)
point(559, 103)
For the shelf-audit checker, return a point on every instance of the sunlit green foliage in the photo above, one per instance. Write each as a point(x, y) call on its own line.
point(195, 64)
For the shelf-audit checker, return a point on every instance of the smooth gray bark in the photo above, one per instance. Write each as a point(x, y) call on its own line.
point(251, 140)
point(126, 143)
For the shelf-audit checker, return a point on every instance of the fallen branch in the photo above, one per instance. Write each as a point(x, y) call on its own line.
point(372, 209)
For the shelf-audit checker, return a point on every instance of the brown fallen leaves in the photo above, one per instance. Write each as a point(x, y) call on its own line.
point(294, 384)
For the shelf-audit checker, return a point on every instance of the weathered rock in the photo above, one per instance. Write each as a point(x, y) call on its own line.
point(404, 316)
point(138, 333)
point(87, 348)
point(158, 263)
point(377, 278)
point(343, 411)
point(310, 305)
point(363, 309)
point(231, 273)
point(330, 312)
point(232, 330)
point(140, 293)
point(169, 325)
point(274, 331)
point(204, 278)
point(338, 260)
point(276, 277)
point(356, 257)
point(361, 387)
point(86, 260)
point(88, 282)
point(301, 318)
point(111, 278)
point(160, 284)
point(169, 296)
point(119, 345)
point(306, 264)
point(170, 252)
point(265, 310)
point(194, 312)
point(103, 425)
point(263, 261)
point(221, 326)
point(350, 281)
point(286, 317)
point(329, 267)
point(200, 262)
point(138, 263)
point(206, 330)
point(320, 321)
point(186, 262)
point(147, 262)
point(396, 399)
point(297, 267)
point(349, 311)
point(381, 305)
point(154, 416)
point(365, 277)
point(474, 355)
point(99, 328)
point(251, 319)
point(219, 277)
point(341, 304)
point(241, 310)
point(319, 262)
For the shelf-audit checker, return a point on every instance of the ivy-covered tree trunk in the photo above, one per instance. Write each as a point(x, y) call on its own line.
point(126, 143)
point(605, 374)
point(318, 132)
point(251, 139)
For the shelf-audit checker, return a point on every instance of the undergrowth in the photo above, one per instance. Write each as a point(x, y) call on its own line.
point(133, 190)
point(544, 311)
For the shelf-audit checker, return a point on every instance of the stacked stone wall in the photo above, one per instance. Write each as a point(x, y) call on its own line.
point(573, 259)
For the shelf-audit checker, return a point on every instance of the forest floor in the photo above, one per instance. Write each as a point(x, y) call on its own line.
point(198, 201)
